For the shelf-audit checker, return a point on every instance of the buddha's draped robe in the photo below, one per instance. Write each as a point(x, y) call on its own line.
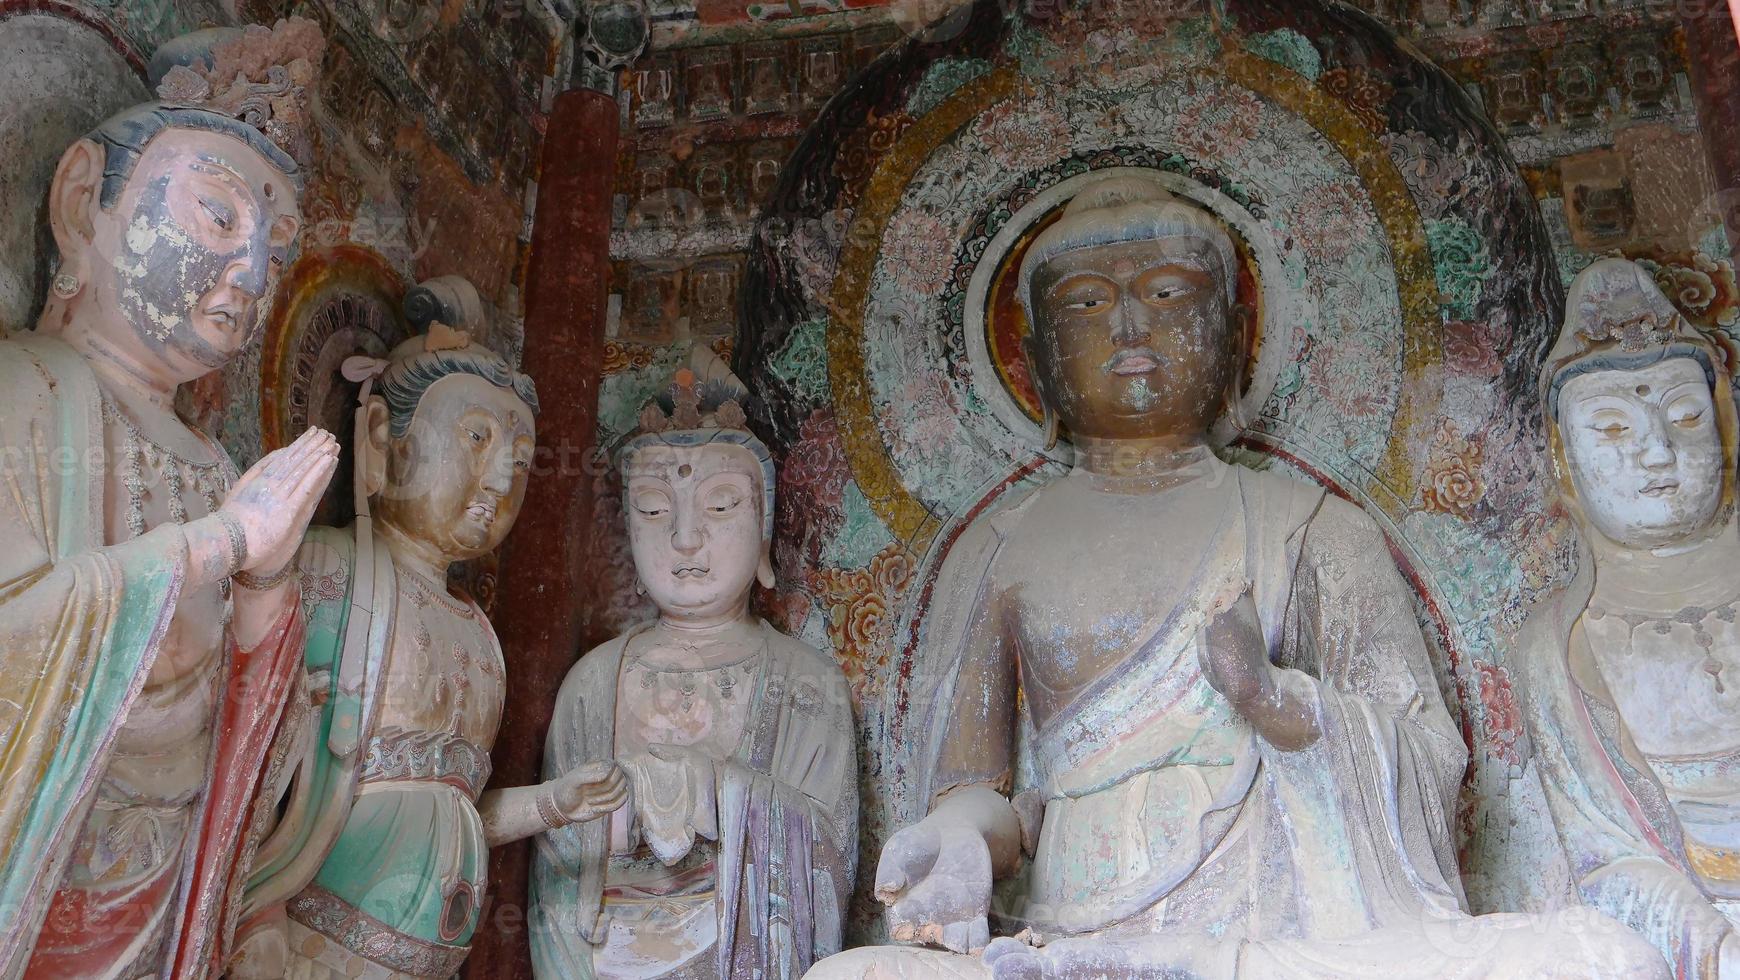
point(772, 837)
point(1163, 811)
point(82, 621)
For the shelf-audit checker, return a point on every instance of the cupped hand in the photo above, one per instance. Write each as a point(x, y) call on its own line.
point(590, 791)
point(935, 878)
point(275, 499)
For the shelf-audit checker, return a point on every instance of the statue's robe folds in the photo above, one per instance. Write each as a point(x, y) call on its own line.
point(375, 862)
point(1629, 852)
point(1161, 828)
point(82, 621)
point(774, 835)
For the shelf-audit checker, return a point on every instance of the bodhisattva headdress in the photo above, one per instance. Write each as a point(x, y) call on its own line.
point(1618, 319)
point(705, 404)
point(254, 84)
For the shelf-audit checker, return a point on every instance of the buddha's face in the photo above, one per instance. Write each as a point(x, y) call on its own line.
point(1644, 451)
point(1134, 339)
point(457, 477)
point(199, 235)
point(694, 523)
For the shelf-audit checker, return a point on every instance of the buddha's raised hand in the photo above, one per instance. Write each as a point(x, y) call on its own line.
point(1235, 661)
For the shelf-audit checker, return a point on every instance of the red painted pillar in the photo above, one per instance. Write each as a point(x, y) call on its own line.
point(538, 613)
point(1713, 54)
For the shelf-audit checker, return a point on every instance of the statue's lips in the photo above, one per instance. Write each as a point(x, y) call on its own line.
point(690, 571)
point(482, 510)
point(1661, 488)
point(1135, 361)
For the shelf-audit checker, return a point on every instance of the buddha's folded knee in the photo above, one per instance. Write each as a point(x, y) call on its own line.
point(898, 963)
point(1571, 943)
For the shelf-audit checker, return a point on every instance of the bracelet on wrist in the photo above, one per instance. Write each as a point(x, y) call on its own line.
point(265, 583)
point(238, 542)
point(552, 817)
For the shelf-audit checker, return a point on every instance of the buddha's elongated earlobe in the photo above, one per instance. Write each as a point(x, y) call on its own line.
point(1050, 424)
point(764, 570)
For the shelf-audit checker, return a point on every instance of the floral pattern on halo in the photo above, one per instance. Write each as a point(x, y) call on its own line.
point(861, 607)
point(1502, 720)
point(1453, 483)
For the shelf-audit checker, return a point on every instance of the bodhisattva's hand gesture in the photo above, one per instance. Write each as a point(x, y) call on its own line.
point(590, 791)
point(274, 500)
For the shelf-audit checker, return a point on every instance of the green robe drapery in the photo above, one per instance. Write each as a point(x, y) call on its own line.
point(325, 761)
point(80, 624)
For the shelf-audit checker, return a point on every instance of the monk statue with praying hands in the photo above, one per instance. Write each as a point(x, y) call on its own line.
point(1236, 761)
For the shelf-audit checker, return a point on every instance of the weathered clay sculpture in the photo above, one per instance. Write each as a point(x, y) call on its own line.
point(1630, 673)
point(1237, 762)
point(377, 859)
point(148, 632)
point(735, 858)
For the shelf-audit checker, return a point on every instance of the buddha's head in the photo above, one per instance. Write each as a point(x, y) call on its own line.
point(698, 489)
point(173, 219)
point(450, 438)
point(1135, 329)
point(1640, 413)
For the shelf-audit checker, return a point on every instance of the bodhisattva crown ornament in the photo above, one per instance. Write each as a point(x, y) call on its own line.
point(705, 404)
point(264, 77)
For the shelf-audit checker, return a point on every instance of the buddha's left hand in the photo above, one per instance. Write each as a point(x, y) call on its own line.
point(1235, 660)
point(1235, 657)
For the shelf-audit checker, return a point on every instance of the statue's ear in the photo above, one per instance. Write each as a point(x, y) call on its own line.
point(74, 197)
point(371, 456)
point(764, 570)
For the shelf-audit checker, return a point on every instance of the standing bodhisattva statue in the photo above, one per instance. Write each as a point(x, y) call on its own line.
point(734, 858)
point(377, 859)
point(149, 634)
point(1241, 764)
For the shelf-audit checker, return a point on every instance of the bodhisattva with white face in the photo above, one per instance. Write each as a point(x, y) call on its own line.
point(1241, 765)
point(146, 621)
point(734, 858)
point(1633, 673)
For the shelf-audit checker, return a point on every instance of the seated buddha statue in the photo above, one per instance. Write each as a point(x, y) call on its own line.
point(1204, 685)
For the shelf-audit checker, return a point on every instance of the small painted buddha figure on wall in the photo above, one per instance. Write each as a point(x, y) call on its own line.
point(1632, 674)
point(1237, 762)
point(376, 859)
point(735, 857)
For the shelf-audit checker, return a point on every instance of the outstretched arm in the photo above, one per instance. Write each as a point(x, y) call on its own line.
point(587, 793)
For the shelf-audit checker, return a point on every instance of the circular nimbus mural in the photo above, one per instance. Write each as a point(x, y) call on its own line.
point(334, 303)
